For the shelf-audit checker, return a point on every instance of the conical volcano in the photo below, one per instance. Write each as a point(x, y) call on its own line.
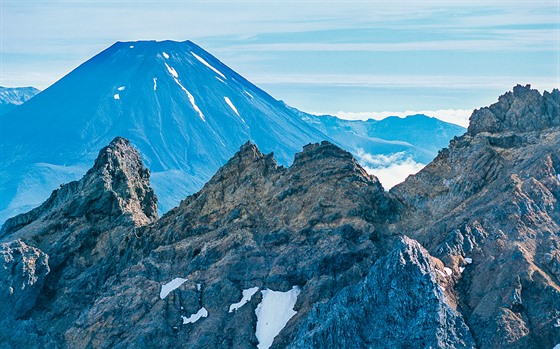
point(184, 110)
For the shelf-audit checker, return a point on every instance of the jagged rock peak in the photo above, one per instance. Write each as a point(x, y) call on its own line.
point(248, 151)
point(118, 184)
point(322, 150)
point(327, 159)
point(120, 166)
point(247, 159)
point(119, 148)
point(522, 110)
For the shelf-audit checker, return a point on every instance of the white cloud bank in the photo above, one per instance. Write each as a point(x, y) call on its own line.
point(396, 173)
point(389, 169)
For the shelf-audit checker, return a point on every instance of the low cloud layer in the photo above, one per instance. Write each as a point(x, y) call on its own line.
point(389, 169)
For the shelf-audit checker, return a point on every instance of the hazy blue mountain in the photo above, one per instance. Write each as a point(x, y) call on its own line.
point(11, 97)
point(419, 136)
point(181, 107)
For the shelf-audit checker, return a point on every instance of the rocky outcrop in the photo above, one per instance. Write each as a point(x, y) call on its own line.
point(401, 301)
point(523, 110)
point(317, 226)
point(57, 256)
point(489, 207)
point(24, 269)
point(115, 192)
point(116, 187)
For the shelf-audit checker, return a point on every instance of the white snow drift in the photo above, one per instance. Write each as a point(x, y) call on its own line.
point(273, 313)
point(170, 286)
point(247, 295)
point(202, 312)
point(201, 60)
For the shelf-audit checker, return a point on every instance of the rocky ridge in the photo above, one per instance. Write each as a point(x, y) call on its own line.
point(489, 207)
point(62, 252)
point(522, 110)
point(100, 270)
point(254, 224)
point(116, 187)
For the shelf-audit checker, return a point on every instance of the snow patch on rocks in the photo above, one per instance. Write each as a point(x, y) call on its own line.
point(167, 288)
point(247, 295)
point(202, 312)
point(273, 313)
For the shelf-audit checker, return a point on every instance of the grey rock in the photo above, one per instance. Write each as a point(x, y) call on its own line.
point(522, 110)
point(117, 186)
point(317, 225)
point(486, 209)
point(401, 303)
point(23, 272)
point(493, 197)
point(67, 246)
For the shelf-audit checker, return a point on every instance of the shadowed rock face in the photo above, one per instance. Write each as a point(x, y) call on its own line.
point(24, 272)
point(99, 267)
point(318, 225)
point(401, 301)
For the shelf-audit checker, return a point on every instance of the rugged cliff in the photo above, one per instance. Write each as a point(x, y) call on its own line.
point(316, 226)
point(489, 207)
point(318, 255)
point(58, 256)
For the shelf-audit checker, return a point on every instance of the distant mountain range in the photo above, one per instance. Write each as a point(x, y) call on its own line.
point(11, 97)
point(187, 113)
point(418, 136)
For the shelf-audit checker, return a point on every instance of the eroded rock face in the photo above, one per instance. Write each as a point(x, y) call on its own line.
point(401, 301)
point(489, 207)
point(117, 187)
point(23, 271)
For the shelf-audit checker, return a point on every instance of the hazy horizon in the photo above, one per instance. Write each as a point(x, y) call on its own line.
point(348, 59)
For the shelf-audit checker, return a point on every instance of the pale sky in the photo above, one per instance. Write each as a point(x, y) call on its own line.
point(351, 58)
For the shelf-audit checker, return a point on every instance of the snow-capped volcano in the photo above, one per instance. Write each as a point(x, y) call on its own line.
point(181, 107)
